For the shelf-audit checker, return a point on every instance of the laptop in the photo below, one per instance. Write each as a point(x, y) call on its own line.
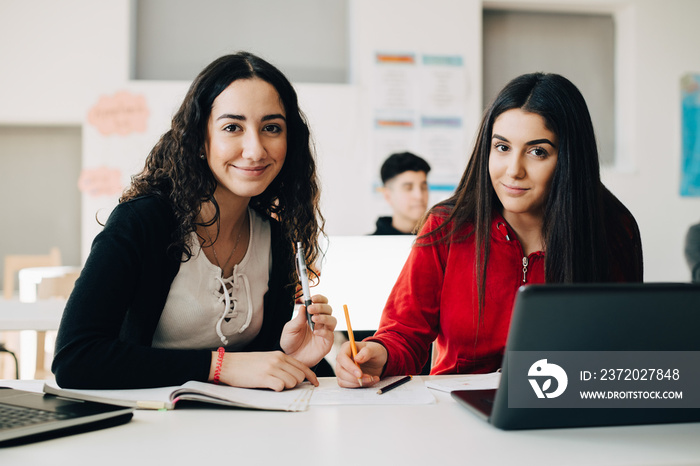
point(29, 416)
point(601, 331)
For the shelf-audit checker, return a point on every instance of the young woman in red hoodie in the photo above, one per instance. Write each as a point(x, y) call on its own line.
point(530, 208)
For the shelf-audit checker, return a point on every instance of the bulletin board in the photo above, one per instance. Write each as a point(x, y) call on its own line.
point(418, 102)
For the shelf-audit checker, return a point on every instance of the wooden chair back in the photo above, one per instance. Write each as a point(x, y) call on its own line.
point(13, 264)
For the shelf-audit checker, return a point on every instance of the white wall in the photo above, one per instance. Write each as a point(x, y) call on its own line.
point(57, 56)
point(666, 39)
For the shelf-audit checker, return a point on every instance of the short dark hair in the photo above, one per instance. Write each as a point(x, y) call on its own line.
point(401, 162)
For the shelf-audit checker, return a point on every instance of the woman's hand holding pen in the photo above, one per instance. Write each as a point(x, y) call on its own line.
point(371, 358)
point(302, 343)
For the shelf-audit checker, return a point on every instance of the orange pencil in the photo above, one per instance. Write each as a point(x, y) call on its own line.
point(353, 346)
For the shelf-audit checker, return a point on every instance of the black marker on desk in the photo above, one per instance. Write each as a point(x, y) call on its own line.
point(304, 278)
point(393, 385)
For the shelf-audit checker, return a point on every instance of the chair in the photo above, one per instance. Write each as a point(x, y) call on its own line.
point(57, 287)
point(13, 264)
point(46, 282)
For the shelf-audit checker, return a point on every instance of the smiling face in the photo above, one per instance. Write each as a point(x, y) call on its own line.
point(521, 163)
point(246, 138)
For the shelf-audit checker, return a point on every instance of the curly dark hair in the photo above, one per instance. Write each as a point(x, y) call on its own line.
point(175, 171)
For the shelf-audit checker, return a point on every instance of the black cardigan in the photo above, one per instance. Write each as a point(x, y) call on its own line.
point(105, 336)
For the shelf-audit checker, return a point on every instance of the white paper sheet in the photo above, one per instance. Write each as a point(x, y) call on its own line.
point(466, 382)
point(410, 393)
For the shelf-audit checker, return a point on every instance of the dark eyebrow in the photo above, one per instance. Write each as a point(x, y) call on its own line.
point(540, 141)
point(230, 116)
point(529, 143)
point(274, 116)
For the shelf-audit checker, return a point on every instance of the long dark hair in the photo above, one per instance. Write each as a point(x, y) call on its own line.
point(175, 171)
point(589, 235)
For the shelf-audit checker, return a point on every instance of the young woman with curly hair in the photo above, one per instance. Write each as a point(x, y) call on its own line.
point(193, 275)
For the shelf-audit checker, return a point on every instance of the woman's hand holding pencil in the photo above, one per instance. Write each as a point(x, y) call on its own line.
point(359, 364)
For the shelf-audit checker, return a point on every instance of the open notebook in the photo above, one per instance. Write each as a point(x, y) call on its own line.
point(296, 399)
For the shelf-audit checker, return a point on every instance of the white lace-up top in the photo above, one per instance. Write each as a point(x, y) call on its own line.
point(205, 311)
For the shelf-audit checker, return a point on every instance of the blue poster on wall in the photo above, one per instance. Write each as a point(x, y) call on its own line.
point(690, 163)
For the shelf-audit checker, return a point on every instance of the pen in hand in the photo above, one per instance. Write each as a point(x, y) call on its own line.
point(304, 279)
point(351, 337)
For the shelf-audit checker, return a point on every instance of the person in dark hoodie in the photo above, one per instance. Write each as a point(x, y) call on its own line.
point(405, 179)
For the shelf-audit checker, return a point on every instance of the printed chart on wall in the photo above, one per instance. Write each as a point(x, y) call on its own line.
point(418, 105)
point(690, 175)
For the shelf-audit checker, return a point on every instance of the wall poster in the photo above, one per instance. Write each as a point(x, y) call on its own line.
point(690, 129)
point(418, 102)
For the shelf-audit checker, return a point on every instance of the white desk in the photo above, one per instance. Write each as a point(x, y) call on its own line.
point(40, 315)
point(440, 434)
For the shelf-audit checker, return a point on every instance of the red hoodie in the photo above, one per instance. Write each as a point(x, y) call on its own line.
point(435, 297)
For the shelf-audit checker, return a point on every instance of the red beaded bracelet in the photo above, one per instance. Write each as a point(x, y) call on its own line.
point(219, 363)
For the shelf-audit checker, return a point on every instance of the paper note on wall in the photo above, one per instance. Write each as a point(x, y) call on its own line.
point(122, 113)
point(100, 181)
